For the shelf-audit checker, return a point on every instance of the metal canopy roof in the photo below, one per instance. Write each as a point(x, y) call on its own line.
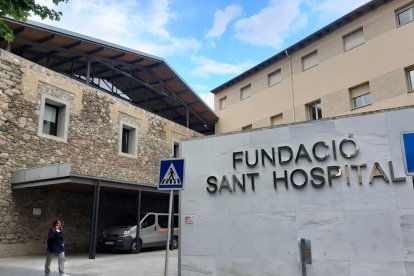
point(143, 80)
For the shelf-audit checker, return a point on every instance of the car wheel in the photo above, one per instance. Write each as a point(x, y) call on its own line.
point(174, 243)
point(135, 247)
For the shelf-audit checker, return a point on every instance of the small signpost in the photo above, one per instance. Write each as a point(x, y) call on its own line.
point(171, 178)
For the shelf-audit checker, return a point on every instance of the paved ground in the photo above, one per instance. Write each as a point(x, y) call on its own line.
point(149, 263)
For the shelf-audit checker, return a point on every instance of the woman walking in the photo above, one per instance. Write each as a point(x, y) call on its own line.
point(55, 246)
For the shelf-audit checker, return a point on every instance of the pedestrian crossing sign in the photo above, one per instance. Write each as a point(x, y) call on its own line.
point(171, 174)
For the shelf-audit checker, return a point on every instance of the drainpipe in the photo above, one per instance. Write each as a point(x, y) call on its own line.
point(291, 85)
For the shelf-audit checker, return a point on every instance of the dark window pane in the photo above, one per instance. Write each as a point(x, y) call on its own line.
point(163, 221)
point(319, 111)
point(125, 140)
point(175, 221)
point(148, 221)
point(176, 150)
point(313, 113)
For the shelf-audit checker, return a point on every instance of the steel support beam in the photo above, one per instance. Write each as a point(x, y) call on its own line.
point(187, 118)
point(88, 71)
point(76, 53)
point(138, 223)
point(95, 215)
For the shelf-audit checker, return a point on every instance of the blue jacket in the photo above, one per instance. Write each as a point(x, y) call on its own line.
point(55, 241)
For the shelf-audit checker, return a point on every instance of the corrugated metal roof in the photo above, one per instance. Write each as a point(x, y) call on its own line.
point(142, 79)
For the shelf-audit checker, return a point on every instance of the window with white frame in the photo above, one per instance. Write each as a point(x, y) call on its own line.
point(248, 127)
point(314, 110)
point(274, 77)
point(276, 120)
point(410, 78)
point(405, 15)
point(354, 39)
point(54, 118)
point(222, 103)
point(361, 96)
point(310, 60)
point(245, 92)
point(128, 140)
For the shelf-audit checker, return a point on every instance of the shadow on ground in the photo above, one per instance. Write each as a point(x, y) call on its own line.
point(14, 271)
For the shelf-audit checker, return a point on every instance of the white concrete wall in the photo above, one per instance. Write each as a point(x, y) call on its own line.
point(358, 230)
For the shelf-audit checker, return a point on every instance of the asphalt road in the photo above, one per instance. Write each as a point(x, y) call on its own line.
point(149, 263)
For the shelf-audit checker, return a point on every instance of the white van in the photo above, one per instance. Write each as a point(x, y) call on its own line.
point(154, 232)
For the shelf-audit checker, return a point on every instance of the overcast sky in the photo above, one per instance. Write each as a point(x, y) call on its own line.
point(207, 42)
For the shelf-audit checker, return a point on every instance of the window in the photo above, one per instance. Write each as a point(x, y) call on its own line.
point(223, 103)
point(176, 149)
point(361, 96)
point(245, 92)
point(310, 60)
point(148, 221)
point(410, 77)
point(175, 221)
point(405, 15)
point(314, 110)
point(50, 119)
point(126, 137)
point(248, 127)
point(54, 118)
point(128, 140)
point(274, 77)
point(353, 39)
point(276, 120)
point(163, 221)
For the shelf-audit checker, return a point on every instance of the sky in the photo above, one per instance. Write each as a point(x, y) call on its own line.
point(207, 42)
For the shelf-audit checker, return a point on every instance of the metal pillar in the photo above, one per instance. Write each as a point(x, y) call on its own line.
point(179, 233)
point(138, 221)
point(145, 96)
point(88, 71)
point(187, 118)
point(172, 223)
point(113, 76)
point(92, 242)
point(130, 88)
point(168, 237)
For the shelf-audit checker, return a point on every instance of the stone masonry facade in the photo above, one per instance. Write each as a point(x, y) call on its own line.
point(92, 147)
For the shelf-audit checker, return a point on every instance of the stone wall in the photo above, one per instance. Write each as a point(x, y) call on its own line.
point(92, 147)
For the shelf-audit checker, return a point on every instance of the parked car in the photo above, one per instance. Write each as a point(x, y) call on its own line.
point(154, 232)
